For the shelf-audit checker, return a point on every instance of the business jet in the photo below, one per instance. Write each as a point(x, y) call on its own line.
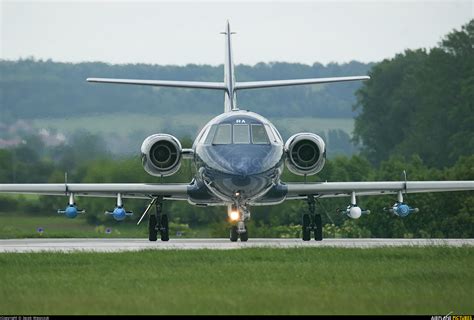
point(238, 158)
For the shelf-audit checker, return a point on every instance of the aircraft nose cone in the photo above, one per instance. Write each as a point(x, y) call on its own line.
point(245, 166)
point(241, 181)
point(240, 159)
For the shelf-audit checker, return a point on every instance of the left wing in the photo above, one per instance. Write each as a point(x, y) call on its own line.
point(172, 191)
point(341, 189)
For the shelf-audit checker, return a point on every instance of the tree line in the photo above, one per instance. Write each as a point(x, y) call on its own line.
point(421, 102)
point(47, 89)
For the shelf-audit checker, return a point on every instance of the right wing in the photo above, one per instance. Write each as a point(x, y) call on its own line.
point(171, 191)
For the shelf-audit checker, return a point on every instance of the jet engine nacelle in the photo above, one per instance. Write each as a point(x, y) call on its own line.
point(161, 154)
point(305, 153)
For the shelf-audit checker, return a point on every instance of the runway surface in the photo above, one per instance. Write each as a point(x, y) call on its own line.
point(116, 245)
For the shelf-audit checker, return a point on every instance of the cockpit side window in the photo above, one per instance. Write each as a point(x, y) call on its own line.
point(259, 135)
point(210, 134)
point(277, 134)
point(202, 133)
point(223, 134)
point(270, 133)
point(241, 134)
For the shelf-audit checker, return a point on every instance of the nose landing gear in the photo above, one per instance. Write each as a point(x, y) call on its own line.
point(239, 230)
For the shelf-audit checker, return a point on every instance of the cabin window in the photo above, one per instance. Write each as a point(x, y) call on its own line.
point(259, 135)
point(223, 134)
point(241, 134)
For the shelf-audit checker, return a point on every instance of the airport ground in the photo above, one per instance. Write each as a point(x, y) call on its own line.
point(400, 280)
point(299, 280)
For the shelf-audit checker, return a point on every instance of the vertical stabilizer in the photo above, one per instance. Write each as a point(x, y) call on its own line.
point(229, 77)
point(229, 86)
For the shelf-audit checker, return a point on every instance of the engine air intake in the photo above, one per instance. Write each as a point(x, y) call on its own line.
point(161, 154)
point(305, 153)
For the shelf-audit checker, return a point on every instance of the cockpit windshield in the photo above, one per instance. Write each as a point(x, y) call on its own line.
point(241, 134)
point(259, 135)
point(223, 134)
point(237, 134)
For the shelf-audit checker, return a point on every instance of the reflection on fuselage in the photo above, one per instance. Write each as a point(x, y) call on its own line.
point(243, 160)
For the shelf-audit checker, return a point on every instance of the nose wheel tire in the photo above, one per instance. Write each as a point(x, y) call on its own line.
point(152, 232)
point(234, 234)
point(244, 236)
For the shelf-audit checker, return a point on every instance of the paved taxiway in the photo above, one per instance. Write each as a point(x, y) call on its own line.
point(114, 245)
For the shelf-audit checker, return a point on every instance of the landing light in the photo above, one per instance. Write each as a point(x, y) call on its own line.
point(234, 215)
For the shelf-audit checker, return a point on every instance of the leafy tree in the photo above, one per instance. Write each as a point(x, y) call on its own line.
point(421, 103)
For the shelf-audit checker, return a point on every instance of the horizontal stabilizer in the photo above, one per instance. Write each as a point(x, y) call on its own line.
point(294, 82)
point(222, 85)
point(163, 83)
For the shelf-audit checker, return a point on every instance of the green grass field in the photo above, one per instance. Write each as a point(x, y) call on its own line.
point(14, 226)
point(18, 226)
point(430, 280)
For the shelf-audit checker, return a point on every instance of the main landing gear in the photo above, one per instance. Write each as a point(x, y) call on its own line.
point(312, 222)
point(158, 222)
point(239, 230)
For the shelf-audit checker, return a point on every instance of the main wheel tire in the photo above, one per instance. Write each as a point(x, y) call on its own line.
point(233, 234)
point(305, 228)
point(244, 236)
point(318, 231)
point(165, 235)
point(152, 232)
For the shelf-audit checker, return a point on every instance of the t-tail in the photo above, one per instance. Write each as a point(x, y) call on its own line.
point(230, 102)
point(230, 86)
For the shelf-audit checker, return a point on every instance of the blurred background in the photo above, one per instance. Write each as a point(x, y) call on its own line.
point(415, 114)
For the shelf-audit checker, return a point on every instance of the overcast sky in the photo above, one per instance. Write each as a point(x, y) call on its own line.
point(181, 32)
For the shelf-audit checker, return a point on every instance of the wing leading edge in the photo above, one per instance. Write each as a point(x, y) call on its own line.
point(172, 191)
point(340, 189)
